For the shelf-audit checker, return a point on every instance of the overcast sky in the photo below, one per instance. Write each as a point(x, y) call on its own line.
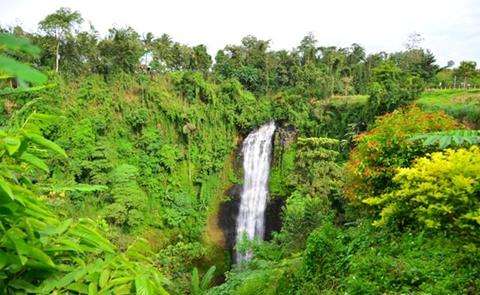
point(451, 28)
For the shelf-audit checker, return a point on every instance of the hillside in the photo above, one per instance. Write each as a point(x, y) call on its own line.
point(317, 170)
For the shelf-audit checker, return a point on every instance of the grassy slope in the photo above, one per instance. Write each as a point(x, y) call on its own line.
point(459, 103)
point(463, 104)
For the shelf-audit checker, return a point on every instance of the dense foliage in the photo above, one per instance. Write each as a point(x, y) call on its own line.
point(387, 146)
point(439, 192)
point(115, 166)
point(39, 251)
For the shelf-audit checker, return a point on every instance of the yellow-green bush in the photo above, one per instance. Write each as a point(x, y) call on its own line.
point(439, 191)
point(388, 146)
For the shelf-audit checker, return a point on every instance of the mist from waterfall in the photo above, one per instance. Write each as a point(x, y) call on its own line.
point(256, 149)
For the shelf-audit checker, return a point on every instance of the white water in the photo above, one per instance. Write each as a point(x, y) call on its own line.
point(257, 148)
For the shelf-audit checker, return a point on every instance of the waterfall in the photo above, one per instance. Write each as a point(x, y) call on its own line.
point(256, 150)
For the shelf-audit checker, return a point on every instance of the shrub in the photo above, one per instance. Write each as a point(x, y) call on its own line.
point(364, 260)
point(137, 119)
point(301, 215)
point(193, 86)
point(391, 88)
point(317, 174)
point(408, 264)
point(341, 116)
point(438, 192)
point(321, 258)
point(312, 182)
point(129, 200)
point(169, 155)
point(387, 146)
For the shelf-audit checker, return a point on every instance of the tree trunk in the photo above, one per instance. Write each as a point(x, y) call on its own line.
point(57, 56)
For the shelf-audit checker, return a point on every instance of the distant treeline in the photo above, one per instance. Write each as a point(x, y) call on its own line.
point(308, 69)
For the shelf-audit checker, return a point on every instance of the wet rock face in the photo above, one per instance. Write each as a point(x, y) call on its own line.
point(273, 217)
point(227, 217)
point(285, 135)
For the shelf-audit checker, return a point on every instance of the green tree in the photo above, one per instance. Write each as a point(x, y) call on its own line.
point(391, 88)
point(467, 70)
point(308, 49)
point(356, 69)
point(246, 62)
point(59, 25)
point(417, 62)
point(162, 58)
point(121, 50)
point(201, 60)
point(334, 58)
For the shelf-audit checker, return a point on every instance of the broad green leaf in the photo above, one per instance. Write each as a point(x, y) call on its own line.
point(104, 276)
point(195, 283)
point(12, 144)
point(18, 90)
point(92, 289)
point(3, 259)
point(21, 70)
point(22, 249)
point(207, 278)
point(35, 161)
point(6, 189)
point(430, 140)
point(40, 140)
point(40, 256)
point(18, 44)
point(66, 244)
point(78, 287)
point(123, 289)
point(3, 76)
point(57, 230)
point(70, 278)
point(458, 140)
point(86, 230)
point(142, 286)
point(444, 142)
point(20, 284)
point(119, 281)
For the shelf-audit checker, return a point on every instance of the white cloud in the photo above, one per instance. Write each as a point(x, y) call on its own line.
point(451, 28)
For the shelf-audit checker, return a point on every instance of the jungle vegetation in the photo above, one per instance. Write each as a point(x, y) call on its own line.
point(117, 152)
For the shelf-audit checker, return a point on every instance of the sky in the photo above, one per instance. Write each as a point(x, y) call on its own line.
point(450, 28)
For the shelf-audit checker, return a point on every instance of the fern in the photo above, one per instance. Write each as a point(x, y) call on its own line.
point(208, 278)
point(445, 139)
point(199, 287)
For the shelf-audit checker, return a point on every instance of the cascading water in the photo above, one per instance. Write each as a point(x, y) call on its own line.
point(256, 149)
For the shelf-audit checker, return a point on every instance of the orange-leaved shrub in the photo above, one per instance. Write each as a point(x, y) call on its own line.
point(388, 146)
